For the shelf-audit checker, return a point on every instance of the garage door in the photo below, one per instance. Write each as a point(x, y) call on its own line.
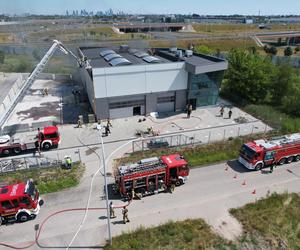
point(125, 112)
point(121, 112)
point(165, 107)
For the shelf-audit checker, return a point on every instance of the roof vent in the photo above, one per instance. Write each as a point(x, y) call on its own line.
point(188, 53)
point(173, 50)
point(124, 48)
point(179, 53)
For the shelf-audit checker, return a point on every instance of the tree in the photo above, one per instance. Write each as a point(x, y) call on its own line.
point(273, 50)
point(2, 56)
point(282, 82)
point(288, 51)
point(291, 102)
point(248, 76)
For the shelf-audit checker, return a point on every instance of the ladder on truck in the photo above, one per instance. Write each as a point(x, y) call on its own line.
point(143, 167)
point(34, 74)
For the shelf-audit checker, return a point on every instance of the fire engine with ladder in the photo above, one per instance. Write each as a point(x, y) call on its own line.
point(50, 136)
point(261, 153)
point(151, 175)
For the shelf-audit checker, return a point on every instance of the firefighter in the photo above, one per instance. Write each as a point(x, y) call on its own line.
point(112, 210)
point(108, 123)
point(79, 123)
point(132, 194)
point(271, 168)
point(68, 162)
point(229, 114)
point(125, 215)
point(172, 188)
point(222, 111)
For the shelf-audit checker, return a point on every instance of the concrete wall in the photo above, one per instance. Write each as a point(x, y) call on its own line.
point(88, 84)
point(139, 79)
point(180, 100)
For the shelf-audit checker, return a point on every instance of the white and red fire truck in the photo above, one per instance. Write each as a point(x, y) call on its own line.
point(19, 202)
point(278, 150)
point(44, 139)
point(152, 175)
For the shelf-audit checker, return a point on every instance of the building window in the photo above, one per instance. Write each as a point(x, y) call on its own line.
point(116, 105)
point(165, 99)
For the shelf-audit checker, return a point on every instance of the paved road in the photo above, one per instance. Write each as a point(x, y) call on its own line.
point(208, 194)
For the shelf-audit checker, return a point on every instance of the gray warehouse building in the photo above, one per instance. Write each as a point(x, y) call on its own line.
point(122, 82)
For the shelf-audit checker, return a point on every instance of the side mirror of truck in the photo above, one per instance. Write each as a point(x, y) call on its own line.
point(41, 202)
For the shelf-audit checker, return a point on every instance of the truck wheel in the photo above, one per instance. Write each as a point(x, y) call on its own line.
point(17, 150)
point(46, 146)
point(297, 157)
point(258, 167)
point(282, 161)
point(1, 220)
point(22, 217)
point(177, 183)
point(6, 152)
point(290, 159)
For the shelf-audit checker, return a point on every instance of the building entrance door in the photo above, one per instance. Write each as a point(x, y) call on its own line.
point(137, 110)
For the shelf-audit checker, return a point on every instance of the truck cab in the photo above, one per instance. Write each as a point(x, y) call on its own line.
point(177, 169)
point(19, 202)
point(50, 137)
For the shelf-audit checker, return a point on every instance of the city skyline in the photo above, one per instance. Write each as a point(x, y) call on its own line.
point(213, 7)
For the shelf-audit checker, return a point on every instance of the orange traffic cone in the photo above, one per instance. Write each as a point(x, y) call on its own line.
point(254, 191)
point(235, 176)
point(244, 183)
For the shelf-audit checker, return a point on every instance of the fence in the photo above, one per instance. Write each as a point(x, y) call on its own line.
point(200, 136)
point(54, 159)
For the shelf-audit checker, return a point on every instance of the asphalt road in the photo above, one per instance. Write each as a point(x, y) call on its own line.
point(208, 194)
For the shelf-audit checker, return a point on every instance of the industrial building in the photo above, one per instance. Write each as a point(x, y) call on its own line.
point(123, 82)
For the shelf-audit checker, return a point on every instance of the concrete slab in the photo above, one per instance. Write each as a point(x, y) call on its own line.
point(58, 107)
point(6, 82)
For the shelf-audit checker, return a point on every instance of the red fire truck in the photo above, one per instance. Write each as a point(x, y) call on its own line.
point(45, 139)
point(152, 175)
point(278, 150)
point(19, 202)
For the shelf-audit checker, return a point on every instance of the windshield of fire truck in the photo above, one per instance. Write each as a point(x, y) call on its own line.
point(248, 152)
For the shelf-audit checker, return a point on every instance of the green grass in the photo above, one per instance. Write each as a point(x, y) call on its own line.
point(265, 223)
point(48, 180)
point(188, 234)
point(276, 219)
point(275, 118)
point(197, 156)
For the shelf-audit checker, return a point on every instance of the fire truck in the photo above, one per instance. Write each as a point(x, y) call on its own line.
point(42, 139)
point(152, 175)
point(261, 153)
point(19, 202)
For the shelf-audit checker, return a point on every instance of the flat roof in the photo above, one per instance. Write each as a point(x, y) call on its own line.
point(195, 63)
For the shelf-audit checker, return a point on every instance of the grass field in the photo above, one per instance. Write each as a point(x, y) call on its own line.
point(230, 29)
point(26, 63)
point(189, 234)
point(214, 44)
point(273, 117)
point(268, 224)
point(276, 219)
point(48, 180)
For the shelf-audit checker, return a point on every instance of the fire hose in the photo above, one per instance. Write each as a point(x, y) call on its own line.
point(36, 240)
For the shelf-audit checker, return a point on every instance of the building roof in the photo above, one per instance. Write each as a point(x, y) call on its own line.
point(100, 57)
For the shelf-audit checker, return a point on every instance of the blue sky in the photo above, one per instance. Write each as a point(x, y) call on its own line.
point(266, 7)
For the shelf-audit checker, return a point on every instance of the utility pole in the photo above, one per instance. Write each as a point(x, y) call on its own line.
point(99, 127)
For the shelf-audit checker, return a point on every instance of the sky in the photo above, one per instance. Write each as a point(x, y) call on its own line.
point(202, 7)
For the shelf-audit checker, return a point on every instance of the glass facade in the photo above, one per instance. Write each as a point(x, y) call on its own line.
point(203, 89)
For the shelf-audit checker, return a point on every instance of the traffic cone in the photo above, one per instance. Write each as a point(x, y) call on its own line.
point(235, 176)
point(244, 183)
point(254, 191)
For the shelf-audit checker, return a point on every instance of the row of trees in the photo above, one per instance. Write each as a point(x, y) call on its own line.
point(254, 79)
point(288, 51)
